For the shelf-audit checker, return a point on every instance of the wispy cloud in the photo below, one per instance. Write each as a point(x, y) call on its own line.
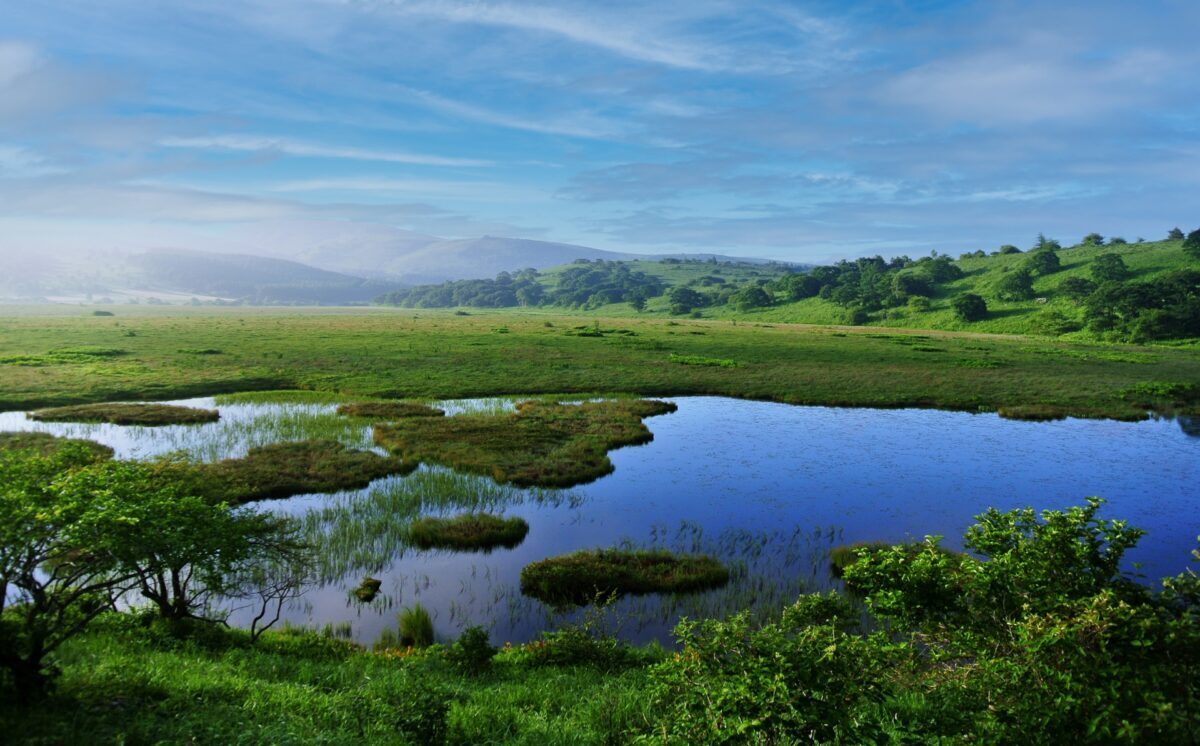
point(266, 144)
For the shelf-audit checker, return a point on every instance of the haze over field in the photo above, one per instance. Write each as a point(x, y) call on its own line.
point(382, 140)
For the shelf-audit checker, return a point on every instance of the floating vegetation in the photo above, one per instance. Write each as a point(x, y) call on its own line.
point(468, 531)
point(45, 444)
point(365, 532)
point(127, 414)
point(389, 410)
point(581, 577)
point(545, 444)
point(368, 589)
point(712, 362)
point(1032, 412)
point(284, 469)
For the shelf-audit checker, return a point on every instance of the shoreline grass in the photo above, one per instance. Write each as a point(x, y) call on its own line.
point(582, 577)
point(468, 532)
point(45, 444)
point(541, 444)
point(146, 415)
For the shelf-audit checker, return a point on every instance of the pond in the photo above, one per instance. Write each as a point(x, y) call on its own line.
point(769, 488)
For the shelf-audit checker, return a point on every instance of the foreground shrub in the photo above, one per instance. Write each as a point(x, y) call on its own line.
point(469, 531)
point(472, 652)
point(580, 577)
point(127, 414)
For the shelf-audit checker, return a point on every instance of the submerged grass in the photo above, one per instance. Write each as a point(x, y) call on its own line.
point(284, 469)
point(389, 410)
point(127, 414)
point(582, 577)
point(545, 444)
point(468, 531)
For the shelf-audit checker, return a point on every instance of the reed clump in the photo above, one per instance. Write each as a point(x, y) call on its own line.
point(581, 577)
point(387, 410)
point(468, 532)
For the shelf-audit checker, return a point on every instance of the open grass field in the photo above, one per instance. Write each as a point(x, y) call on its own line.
point(401, 353)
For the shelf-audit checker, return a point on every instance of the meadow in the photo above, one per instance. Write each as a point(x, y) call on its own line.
point(407, 354)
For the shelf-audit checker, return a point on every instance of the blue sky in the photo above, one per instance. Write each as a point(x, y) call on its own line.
point(801, 131)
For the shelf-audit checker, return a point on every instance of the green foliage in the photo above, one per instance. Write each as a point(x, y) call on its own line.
point(1092, 239)
point(969, 307)
point(1168, 306)
point(45, 444)
point(472, 652)
point(1008, 249)
point(468, 531)
point(1109, 268)
point(128, 414)
point(1191, 245)
point(1015, 286)
point(1043, 262)
point(1077, 288)
point(545, 444)
point(582, 577)
point(1175, 234)
point(415, 626)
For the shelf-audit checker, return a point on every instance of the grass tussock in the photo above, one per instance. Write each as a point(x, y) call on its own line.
point(416, 627)
point(285, 469)
point(45, 444)
point(128, 414)
point(581, 577)
point(541, 444)
point(386, 410)
point(468, 531)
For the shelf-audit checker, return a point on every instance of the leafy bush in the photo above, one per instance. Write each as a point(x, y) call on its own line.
point(969, 307)
point(1015, 286)
point(1043, 262)
point(1109, 268)
point(472, 652)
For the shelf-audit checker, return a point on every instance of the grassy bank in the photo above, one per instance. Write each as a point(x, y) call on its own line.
point(374, 353)
point(148, 415)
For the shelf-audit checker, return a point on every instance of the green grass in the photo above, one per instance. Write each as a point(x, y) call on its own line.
point(415, 627)
point(353, 355)
point(585, 576)
point(127, 414)
point(45, 444)
point(542, 444)
point(384, 410)
point(281, 470)
point(468, 531)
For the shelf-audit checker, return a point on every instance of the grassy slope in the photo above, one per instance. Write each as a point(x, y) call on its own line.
point(424, 354)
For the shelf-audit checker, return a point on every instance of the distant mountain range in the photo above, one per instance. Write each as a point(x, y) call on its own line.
point(349, 269)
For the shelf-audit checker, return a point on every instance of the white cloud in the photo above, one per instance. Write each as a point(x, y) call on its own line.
point(257, 143)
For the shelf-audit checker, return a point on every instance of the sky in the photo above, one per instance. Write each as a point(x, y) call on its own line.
point(790, 130)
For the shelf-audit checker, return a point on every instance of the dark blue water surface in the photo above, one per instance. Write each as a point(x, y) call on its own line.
point(772, 487)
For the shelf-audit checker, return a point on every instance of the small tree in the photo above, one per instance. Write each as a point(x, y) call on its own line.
point(1191, 244)
point(750, 297)
point(1077, 288)
point(1008, 249)
point(1093, 239)
point(1109, 268)
point(1043, 262)
point(969, 307)
point(1016, 286)
point(638, 302)
point(1175, 234)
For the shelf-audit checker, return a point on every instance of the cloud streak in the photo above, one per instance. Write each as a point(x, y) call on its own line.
point(284, 146)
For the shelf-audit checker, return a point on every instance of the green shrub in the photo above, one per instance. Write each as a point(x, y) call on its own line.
point(969, 307)
point(472, 652)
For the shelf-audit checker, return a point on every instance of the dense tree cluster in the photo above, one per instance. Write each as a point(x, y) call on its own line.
point(507, 290)
point(1163, 308)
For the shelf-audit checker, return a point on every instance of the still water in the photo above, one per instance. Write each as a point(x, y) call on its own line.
point(769, 488)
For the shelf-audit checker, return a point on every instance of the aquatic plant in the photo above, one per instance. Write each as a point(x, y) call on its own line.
point(545, 444)
point(581, 577)
point(415, 626)
point(468, 531)
point(127, 414)
point(368, 589)
point(388, 410)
